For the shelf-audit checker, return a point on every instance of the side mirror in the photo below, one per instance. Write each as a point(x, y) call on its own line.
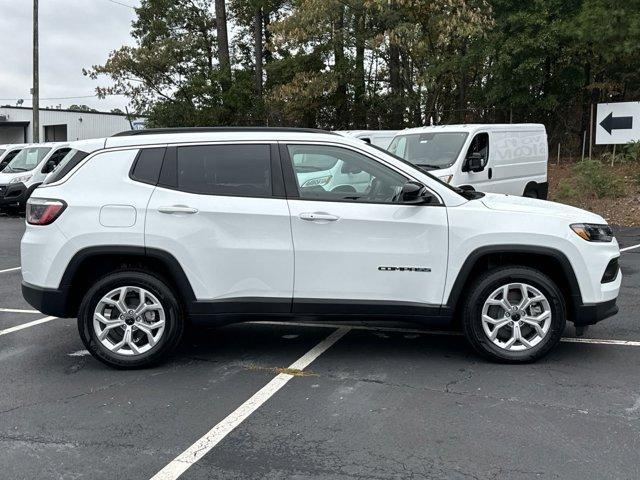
point(414, 193)
point(474, 163)
point(49, 167)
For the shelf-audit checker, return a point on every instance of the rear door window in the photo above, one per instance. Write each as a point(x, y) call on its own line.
point(233, 170)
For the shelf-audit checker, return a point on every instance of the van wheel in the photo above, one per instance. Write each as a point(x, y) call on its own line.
point(531, 191)
point(514, 314)
point(130, 319)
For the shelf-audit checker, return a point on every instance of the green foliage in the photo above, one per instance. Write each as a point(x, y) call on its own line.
point(595, 178)
point(632, 152)
point(381, 63)
point(566, 190)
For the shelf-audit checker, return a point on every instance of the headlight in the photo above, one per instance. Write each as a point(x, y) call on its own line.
point(446, 178)
point(593, 232)
point(316, 182)
point(21, 178)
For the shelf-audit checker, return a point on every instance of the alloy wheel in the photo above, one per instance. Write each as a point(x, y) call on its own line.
point(129, 320)
point(516, 317)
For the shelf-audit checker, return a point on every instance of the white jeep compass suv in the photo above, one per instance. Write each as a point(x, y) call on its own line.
point(140, 233)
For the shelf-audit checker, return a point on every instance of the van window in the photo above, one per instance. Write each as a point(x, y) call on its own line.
point(429, 150)
point(68, 163)
point(237, 170)
point(479, 145)
point(54, 160)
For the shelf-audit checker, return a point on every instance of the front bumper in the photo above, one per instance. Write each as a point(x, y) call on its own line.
point(591, 313)
point(15, 193)
point(50, 301)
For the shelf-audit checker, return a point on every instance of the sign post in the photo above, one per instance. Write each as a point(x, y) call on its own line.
point(617, 123)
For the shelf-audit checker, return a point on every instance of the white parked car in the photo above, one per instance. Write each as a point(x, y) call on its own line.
point(137, 234)
point(27, 170)
point(510, 158)
point(7, 152)
point(379, 138)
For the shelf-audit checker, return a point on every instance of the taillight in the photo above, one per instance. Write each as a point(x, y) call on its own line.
point(43, 211)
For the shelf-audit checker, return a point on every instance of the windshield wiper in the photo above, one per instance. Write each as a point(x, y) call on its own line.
point(19, 169)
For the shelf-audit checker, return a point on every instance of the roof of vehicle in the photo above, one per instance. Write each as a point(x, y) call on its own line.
point(474, 127)
point(190, 135)
point(13, 146)
point(355, 133)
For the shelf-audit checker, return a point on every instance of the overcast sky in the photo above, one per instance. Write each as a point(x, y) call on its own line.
point(74, 34)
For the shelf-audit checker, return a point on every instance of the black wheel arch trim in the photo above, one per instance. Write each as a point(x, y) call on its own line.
point(476, 255)
point(168, 260)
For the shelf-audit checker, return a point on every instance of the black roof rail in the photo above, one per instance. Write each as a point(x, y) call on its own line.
point(160, 131)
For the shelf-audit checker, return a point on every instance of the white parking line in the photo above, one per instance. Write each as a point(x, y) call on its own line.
point(594, 341)
point(626, 249)
point(200, 448)
point(17, 310)
point(26, 325)
point(10, 270)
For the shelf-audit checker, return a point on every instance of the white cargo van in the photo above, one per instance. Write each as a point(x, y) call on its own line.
point(510, 158)
point(379, 138)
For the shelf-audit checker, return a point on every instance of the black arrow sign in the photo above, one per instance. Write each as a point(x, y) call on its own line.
point(616, 123)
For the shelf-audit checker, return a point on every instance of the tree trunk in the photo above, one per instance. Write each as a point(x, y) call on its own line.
point(223, 43)
point(342, 110)
point(395, 85)
point(257, 50)
point(359, 107)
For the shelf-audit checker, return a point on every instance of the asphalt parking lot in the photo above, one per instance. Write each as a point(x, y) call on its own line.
point(376, 401)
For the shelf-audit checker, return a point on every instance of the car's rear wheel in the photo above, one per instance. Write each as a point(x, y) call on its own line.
point(514, 314)
point(130, 319)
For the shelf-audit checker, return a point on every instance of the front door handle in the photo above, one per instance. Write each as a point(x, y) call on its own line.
point(177, 209)
point(318, 216)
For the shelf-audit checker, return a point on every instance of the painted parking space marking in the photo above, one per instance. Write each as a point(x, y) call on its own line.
point(593, 341)
point(27, 325)
point(632, 247)
point(201, 447)
point(17, 310)
point(10, 270)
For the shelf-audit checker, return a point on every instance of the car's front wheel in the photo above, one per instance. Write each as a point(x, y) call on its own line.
point(514, 314)
point(130, 319)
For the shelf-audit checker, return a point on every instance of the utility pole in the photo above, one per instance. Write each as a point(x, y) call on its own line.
point(35, 91)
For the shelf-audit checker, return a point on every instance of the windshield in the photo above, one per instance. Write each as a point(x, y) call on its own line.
point(432, 150)
point(27, 159)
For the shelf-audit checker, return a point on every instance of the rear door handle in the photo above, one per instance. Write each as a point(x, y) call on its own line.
point(318, 216)
point(177, 209)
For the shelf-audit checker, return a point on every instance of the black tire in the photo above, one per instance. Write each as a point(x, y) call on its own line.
point(174, 321)
point(531, 192)
point(480, 290)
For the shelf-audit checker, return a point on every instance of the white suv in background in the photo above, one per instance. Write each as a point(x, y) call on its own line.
point(137, 234)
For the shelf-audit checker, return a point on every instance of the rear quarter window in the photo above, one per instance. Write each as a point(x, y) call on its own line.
point(147, 166)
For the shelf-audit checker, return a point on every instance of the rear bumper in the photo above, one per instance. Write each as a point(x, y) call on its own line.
point(50, 301)
point(590, 313)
